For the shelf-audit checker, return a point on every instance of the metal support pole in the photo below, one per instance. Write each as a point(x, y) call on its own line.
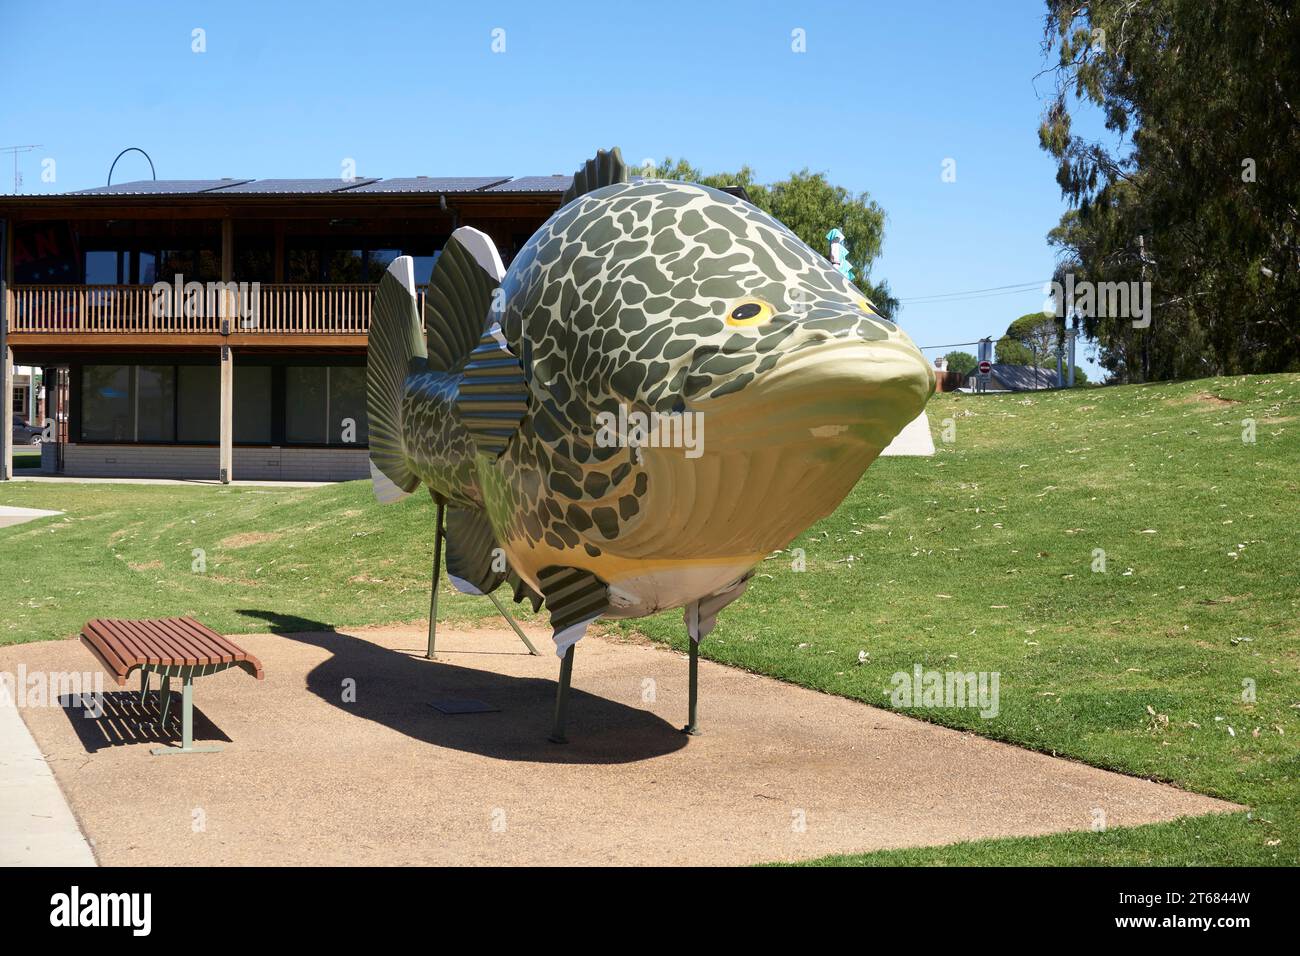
point(562, 697)
point(437, 574)
point(165, 700)
point(144, 683)
point(511, 621)
point(187, 710)
point(693, 698)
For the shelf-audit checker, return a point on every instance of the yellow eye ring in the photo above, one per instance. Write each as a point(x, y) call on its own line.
point(865, 305)
point(748, 313)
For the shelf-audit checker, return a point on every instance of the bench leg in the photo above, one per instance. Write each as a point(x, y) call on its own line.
point(187, 725)
point(165, 700)
point(144, 683)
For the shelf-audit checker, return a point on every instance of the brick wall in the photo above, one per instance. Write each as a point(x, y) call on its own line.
point(181, 461)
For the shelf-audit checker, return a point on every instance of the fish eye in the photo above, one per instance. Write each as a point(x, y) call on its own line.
point(748, 313)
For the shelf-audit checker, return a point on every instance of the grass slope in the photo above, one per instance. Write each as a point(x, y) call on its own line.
point(979, 559)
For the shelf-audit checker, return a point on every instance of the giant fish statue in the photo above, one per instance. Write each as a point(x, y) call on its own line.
point(665, 386)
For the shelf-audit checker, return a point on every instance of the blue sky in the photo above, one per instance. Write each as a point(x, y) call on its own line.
point(884, 93)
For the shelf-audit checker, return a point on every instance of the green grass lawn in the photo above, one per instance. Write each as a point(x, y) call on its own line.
point(979, 559)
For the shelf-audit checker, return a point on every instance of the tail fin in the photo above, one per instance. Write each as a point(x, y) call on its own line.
point(395, 350)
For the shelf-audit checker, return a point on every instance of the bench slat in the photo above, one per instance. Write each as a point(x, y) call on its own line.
point(122, 645)
point(178, 651)
point(108, 637)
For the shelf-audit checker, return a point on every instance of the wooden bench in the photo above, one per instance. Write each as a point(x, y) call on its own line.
point(169, 647)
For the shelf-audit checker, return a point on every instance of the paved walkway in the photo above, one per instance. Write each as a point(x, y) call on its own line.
point(914, 440)
point(10, 515)
point(36, 826)
point(338, 757)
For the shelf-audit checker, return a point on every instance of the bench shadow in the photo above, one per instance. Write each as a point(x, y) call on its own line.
point(124, 720)
point(396, 688)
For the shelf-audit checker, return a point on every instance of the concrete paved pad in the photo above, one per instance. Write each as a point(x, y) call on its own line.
point(338, 757)
point(10, 515)
point(913, 441)
point(37, 827)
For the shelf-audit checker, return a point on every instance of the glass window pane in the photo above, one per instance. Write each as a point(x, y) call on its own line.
point(344, 265)
point(377, 262)
point(101, 268)
point(252, 404)
point(177, 262)
point(302, 265)
point(198, 390)
point(156, 403)
point(423, 267)
point(106, 403)
point(348, 402)
point(304, 405)
point(147, 265)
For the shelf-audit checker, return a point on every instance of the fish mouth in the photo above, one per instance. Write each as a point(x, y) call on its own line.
point(826, 394)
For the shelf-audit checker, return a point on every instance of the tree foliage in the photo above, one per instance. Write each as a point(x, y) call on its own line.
point(963, 363)
point(810, 206)
point(1198, 189)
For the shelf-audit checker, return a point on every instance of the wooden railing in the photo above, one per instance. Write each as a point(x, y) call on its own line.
point(275, 309)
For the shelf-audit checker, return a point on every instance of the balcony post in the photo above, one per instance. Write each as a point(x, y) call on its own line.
point(6, 357)
point(227, 316)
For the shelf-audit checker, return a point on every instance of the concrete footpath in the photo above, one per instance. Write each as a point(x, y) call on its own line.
point(340, 757)
point(37, 827)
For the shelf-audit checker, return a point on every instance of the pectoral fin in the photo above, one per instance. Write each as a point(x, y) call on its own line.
point(574, 598)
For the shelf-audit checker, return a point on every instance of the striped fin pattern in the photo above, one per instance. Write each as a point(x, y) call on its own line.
point(574, 598)
point(605, 170)
point(395, 349)
point(493, 395)
point(471, 552)
point(459, 297)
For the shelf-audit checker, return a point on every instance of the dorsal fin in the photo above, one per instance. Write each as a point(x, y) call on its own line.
point(467, 273)
point(606, 169)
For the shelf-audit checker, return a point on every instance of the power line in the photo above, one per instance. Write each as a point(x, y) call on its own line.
point(977, 293)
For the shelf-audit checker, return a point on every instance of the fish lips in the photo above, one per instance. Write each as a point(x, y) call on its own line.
point(825, 394)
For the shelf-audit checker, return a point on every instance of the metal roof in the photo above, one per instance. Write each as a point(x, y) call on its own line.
point(533, 184)
point(433, 184)
point(368, 185)
point(160, 187)
point(294, 186)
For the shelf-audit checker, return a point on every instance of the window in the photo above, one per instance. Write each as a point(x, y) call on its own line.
point(104, 267)
point(423, 266)
point(378, 261)
point(252, 405)
point(326, 406)
point(345, 265)
point(106, 403)
point(302, 266)
point(305, 409)
point(155, 403)
point(198, 403)
point(347, 403)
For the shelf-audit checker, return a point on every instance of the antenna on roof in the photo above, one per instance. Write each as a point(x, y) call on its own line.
point(129, 149)
point(18, 177)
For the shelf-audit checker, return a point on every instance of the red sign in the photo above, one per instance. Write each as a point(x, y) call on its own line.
point(985, 368)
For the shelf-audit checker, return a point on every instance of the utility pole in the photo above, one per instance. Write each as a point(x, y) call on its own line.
point(15, 150)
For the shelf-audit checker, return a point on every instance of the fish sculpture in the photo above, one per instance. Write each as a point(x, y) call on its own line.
point(665, 386)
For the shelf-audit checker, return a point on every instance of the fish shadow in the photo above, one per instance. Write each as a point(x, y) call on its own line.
point(397, 688)
point(120, 719)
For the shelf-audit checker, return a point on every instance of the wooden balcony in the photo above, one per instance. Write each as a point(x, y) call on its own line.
point(125, 315)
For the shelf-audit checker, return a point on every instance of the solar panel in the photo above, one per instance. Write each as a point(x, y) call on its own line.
point(296, 186)
point(431, 184)
point(533, 184)
point(160, 187)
